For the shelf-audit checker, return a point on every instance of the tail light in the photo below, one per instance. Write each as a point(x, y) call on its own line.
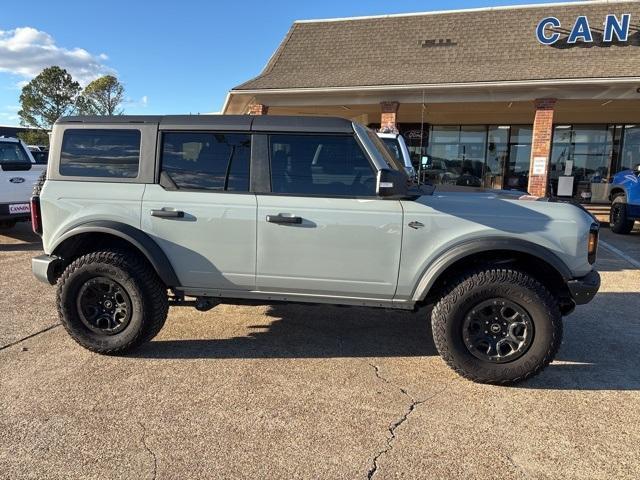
point(592, 246)
point(36, 217)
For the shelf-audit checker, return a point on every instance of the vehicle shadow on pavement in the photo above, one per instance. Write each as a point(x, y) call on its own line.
point(599, 352)
point(313, 331)
point(20, 247)
point(20, 239)
point(600, 347)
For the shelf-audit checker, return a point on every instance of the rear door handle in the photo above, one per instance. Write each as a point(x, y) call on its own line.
point(284, 218)
point(167, 213)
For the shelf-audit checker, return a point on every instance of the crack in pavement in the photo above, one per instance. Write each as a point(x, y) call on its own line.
point(395, 425)
point(12, 344)
point(146, 447)
point(516, 466)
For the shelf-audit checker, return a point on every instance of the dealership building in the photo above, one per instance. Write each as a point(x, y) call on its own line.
point(544, 98)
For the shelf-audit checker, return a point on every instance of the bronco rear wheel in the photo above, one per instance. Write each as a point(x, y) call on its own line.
point(111, 301)
point(497, 326)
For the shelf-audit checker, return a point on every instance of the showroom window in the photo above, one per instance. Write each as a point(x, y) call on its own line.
point(580, 162)
point(630, 152)
point(494, 156)
point(456, 155)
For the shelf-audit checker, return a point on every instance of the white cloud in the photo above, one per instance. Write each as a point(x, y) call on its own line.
point(9, 114)
point(132, 103)
point(26, 51)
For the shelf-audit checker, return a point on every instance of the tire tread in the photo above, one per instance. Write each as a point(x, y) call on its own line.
point(479, 278)
point(155, 301)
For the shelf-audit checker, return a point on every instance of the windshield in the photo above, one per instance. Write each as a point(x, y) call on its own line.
point(391, 160)
point(12, 153)
point(394, 147)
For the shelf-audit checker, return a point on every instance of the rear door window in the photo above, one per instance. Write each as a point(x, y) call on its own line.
point(323, 165)
point(207, 160)
point(107, 153)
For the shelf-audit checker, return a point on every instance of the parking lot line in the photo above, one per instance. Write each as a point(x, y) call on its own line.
point(620, 253)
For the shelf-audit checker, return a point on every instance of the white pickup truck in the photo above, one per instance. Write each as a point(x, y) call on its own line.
point(18, 173)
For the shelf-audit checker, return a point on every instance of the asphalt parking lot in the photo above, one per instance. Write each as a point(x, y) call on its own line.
point(312, 392)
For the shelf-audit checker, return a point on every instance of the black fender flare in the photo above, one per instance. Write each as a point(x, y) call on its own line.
point(136, 237)
point(471, 247)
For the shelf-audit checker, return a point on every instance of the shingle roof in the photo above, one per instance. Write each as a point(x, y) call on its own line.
point(487, 45)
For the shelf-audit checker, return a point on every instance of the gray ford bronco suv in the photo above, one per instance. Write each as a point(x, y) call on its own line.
point(138, 213)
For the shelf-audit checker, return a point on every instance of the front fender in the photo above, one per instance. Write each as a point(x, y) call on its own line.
point(629, 182)
point(470, 247)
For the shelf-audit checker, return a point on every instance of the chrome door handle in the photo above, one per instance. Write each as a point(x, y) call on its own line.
point(167, 213)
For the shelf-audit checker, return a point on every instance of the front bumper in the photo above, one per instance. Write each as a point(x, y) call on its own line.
point(583, 289)
point(45, 268)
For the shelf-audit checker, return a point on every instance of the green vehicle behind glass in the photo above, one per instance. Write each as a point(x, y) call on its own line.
point(141, 213)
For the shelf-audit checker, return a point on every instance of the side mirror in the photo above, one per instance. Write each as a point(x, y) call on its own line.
point(15, 166)
point(392, 183)
point(636, 169)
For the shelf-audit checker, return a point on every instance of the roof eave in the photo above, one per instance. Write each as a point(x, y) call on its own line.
point(431, 86)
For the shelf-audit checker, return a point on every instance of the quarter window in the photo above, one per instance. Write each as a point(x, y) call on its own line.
point(320, 165)
point(207, 161)
point(100, 153)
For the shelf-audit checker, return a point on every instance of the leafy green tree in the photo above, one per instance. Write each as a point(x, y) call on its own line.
point(34, 137)
point(49, 96)
point(103, 96)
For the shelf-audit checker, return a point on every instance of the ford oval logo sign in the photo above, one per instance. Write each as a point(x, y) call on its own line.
point(16, 180)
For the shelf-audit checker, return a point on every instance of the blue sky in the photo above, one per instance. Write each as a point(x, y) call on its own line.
point(173, 56)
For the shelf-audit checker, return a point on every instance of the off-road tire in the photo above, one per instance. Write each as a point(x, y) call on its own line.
point(475, 287)
point(618, 218)
point(148, 296)
point(37, 187)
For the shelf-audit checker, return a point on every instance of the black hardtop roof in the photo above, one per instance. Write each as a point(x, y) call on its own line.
point(254, 123)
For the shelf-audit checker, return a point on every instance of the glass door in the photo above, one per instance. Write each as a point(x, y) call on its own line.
point(517, 174)
point(580, 161)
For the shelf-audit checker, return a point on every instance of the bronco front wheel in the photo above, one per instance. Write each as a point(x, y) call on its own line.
point(497, 326)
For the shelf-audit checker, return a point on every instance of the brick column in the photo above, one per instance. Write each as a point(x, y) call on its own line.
point(388, 116)
point(258, 109)
point(541, 146)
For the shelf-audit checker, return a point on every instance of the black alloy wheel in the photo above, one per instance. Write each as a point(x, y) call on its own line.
point(497, 330)
point(104, 306)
